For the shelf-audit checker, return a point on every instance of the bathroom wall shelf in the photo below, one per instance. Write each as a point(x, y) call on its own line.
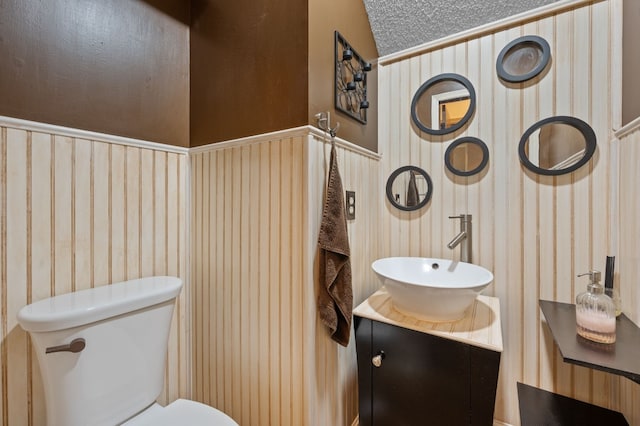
point(540, 407)
point(619, 358)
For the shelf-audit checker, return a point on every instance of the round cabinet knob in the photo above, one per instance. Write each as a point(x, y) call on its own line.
point(377, 360)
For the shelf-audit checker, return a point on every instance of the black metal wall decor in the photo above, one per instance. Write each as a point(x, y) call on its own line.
point(351, 80)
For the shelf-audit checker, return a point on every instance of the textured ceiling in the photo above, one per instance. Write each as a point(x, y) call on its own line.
point(401, 24)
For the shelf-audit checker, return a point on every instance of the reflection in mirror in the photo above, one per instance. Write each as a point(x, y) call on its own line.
point(409, 188)
point(523, 59)
point(557, 145)
point(443, 104)
point(466, 156)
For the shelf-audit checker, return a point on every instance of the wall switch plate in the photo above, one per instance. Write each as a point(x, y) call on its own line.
point(351, 205)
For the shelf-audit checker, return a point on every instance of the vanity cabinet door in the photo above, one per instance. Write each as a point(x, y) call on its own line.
point(421, 379)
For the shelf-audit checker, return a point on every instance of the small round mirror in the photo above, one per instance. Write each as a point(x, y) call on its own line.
point(443, 104)
point(557, 145)
point(409, 188)
point(466, 156)
point(523, 59)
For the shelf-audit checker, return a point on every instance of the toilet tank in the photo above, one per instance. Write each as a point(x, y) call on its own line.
point(120, 370)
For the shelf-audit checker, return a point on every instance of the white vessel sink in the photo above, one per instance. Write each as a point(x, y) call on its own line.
point(431, 289)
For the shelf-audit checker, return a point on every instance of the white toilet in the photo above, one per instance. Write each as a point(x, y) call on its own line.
point(102, 355)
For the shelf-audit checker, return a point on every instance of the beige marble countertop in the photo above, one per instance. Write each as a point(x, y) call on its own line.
point(481, 325)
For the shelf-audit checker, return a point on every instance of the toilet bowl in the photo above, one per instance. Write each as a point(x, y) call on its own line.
point(102, 355)
point(181, 412)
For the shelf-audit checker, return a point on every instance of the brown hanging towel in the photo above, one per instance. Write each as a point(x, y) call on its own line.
point(335, 298)
point(412, 190)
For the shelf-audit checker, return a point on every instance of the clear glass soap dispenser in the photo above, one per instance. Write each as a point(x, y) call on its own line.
point(595, 312)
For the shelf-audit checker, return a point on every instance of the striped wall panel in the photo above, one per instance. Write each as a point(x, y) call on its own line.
point(78, 213)
point(260, 353)
point(628, 259)
point(333, 397)
point(536, 233)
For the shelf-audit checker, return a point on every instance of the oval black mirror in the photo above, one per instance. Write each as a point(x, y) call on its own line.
point(466, 156)
point(443, 104)
point(523, 59)
point(409, 188)
point(557, 145)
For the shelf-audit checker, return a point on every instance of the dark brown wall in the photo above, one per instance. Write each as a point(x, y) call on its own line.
point(123, 66)
point(350, 19)
point(248, 68)
point(631, 61)
point(112, 66)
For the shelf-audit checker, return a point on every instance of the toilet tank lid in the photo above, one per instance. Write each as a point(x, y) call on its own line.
point(95, 304)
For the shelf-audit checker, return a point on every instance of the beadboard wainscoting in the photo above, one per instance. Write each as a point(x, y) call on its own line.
point(80, 210)
point(260, 353)
point(536, 233)
point(628, 258)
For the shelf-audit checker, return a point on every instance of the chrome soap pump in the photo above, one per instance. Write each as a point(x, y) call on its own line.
point(595, 312)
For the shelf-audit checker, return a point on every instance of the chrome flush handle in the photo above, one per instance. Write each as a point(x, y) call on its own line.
point(76, 345)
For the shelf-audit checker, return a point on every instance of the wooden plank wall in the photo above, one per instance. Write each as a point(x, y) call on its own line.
point(260, 354)
point(78, 213)
point(628, 260)
point(534, 232)
point(333, 380)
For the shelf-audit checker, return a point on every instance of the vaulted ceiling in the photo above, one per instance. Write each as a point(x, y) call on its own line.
point(401, 24)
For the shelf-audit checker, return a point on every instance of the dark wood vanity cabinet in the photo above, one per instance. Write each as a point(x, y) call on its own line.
point(422, 379)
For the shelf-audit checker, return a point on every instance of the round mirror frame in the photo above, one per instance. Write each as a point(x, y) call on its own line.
point(581, 126)
point(397, 173)
point(536, 40)
point(460, 141)
point(432, 81)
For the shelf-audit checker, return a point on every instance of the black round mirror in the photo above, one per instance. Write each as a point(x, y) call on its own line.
point(466, 156)
point(557, 145)
point(523, 59)
point(409, 188)
point(443, 104)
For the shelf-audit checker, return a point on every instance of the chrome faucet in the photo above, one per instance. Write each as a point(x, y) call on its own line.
point(463, 238)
